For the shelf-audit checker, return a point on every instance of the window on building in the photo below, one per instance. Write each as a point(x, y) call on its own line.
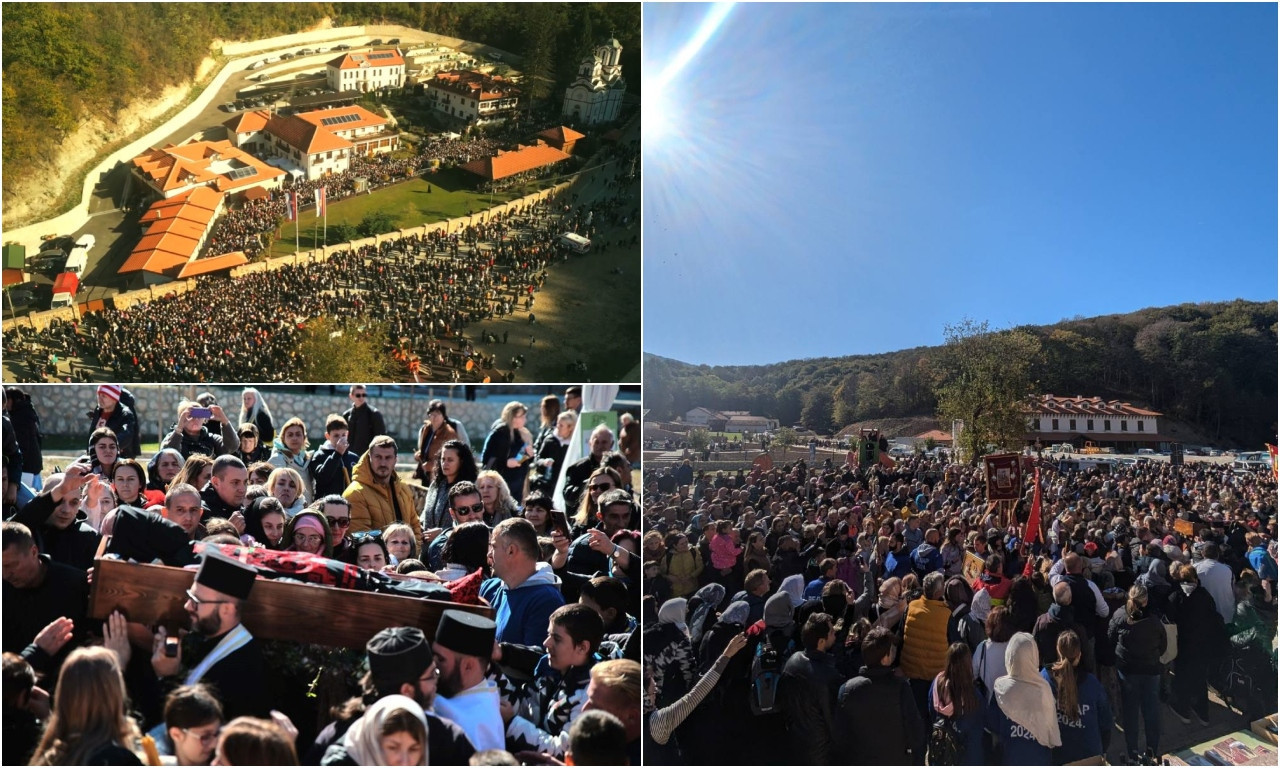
point(1089, 425)
point(1140, 425)
point(1106, 425)
point(1035, 424)
point(1055, 425)
point(1124, 425)
point(1072, 424)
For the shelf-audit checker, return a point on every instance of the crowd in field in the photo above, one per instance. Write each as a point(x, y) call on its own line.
point(894, 616)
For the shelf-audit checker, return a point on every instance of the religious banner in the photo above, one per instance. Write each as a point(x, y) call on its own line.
point(972, 568)
point(1004, 476)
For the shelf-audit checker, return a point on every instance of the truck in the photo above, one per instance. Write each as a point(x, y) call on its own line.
point(575, 242)
point(78, 259)
point(65, 287)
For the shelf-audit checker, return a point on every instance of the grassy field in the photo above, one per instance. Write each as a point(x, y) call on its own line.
point(445, 195)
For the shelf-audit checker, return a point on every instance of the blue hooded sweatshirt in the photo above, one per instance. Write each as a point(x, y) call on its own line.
point(522, 614)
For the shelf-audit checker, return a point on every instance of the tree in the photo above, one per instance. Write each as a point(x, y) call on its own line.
point(341, 233)
point(699, 439)
point(376, 223)
point(983, 379)
point(344, 350)
point(817, 412)
point(785, 437)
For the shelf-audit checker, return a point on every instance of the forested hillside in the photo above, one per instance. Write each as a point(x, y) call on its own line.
point(63, 61)
point(1212, 365)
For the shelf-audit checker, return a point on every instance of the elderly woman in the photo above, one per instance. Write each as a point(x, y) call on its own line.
point(254, 410)
point(498, 504)
point(552, 448)
point(162, 468)
point(509, 446)
point(400, 542)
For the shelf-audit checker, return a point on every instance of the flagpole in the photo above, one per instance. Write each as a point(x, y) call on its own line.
point(296, 237)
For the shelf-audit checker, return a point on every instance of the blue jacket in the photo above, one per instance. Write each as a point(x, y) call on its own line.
point(897, 564)
point(970, 726)
point(1082, 736)
point(1019, 746)
point(814, 588)
point(522, 614)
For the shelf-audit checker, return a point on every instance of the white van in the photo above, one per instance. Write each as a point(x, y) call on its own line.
point(575, 242)
point(77, 261)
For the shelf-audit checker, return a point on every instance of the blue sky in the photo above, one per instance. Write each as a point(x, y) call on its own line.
point(826, 180)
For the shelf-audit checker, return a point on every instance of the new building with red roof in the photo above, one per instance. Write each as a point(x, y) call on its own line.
point(510, 162)
point(177, 168)
point(316, 143)
point(177, 228)
point(366, 71)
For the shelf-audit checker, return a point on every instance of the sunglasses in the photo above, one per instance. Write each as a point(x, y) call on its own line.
point(338, 522)
point(360, 396)
point(600, 486)
point(473, 509)
point(367, 536)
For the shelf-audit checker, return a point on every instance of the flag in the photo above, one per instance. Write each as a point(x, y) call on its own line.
point(291, 205)
point(1032, 531)
point(1275, 468)
point(319, 202)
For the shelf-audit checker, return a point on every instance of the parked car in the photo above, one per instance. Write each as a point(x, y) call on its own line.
point(1146, 452)
point(376, 41)
point(304, 51)
point(393, 41)
point(495, 56)
point(341, 47)
point(286, 55)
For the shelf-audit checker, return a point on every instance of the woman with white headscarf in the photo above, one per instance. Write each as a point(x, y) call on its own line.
point(793, 586)
point(1024, 714)
point(392, 732)
point(254, 410)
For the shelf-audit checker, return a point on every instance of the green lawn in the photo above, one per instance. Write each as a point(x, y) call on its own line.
point(410, 203)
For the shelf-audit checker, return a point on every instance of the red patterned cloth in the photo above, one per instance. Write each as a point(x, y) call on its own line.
point(466, 590)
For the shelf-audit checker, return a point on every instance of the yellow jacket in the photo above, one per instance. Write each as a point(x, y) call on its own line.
point(371, 505)
point(924, 639)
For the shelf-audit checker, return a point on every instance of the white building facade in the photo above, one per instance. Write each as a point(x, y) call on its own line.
point(365, 72)
point(596, 95)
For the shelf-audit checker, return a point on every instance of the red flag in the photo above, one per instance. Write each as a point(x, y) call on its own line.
point(291, 205)
point(1032, 531)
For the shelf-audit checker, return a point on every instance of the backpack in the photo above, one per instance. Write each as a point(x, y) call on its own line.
point(945, 746)
point(766, 673)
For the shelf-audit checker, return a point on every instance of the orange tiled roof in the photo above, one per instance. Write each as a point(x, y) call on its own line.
point(305, 136)
point(509, 163)
point(245, 122)
point(176, 166)
point(475, 85)
point(1087, 406)
point(213, 264)
point(562, 134)
point(174, 229)
point(366, 119)
point(378, 58)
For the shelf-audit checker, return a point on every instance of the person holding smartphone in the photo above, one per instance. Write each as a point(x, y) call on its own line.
point(191, 436)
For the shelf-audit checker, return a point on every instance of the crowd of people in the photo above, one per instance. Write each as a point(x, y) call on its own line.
point(896, 616)
point(550, 674)
point(428, 290)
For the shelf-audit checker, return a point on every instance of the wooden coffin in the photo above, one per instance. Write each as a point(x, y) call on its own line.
point(276, 610)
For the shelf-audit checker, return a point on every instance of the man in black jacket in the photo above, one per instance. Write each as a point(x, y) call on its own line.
point(45, 603)
point(364, 422)
point(808, 690)
point(577, 473)
point(881, 723)
point(26, 425)
point(224, 495)
point(55, 519)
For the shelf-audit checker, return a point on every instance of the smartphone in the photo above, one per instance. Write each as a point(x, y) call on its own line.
point(171, 647)
point(201, 413)
point(559, 523)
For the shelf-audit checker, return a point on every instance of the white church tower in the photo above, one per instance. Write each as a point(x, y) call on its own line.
point(596, 95)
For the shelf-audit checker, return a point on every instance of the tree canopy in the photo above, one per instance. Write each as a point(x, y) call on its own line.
point(1212, 365)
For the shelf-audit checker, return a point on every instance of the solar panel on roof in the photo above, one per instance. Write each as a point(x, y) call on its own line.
point(241, 173)
point(338, 119)
point(382, 55)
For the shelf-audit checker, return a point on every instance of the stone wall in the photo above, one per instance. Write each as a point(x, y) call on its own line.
point(63, 408)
